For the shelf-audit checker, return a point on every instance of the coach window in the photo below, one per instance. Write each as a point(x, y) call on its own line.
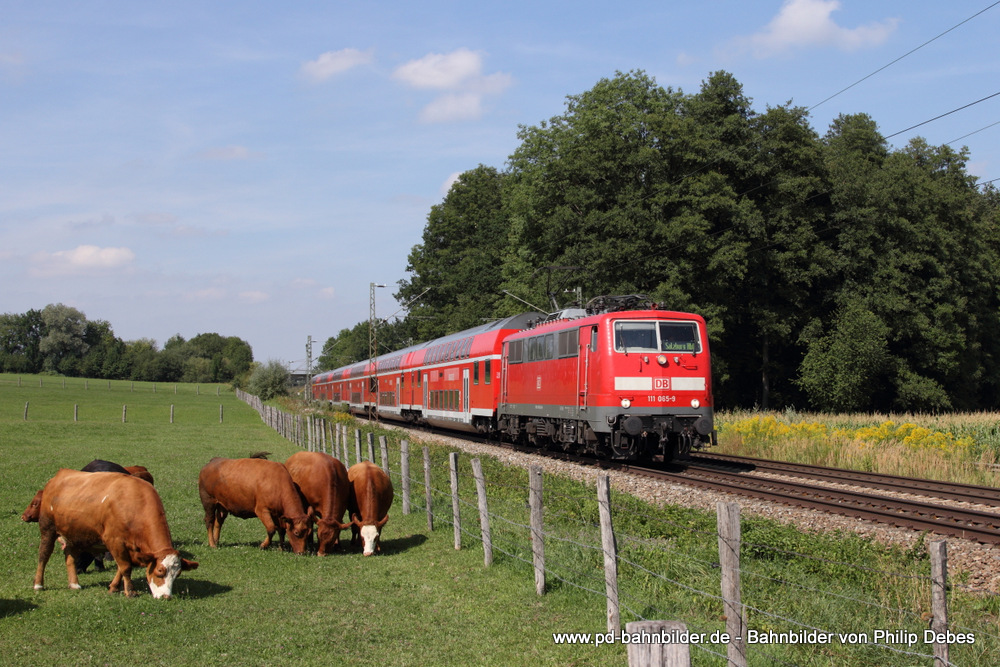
point(475, 372)
point(487, 373)
point(550, 346)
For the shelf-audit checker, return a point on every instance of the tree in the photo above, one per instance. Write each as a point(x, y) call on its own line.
point(912, 238)
point(584, 192)
point(456, 280)
point(268, 380)
point(347, 347)
point(844, 369)
point(20, 342)
point(104, 352)
point(63, 344)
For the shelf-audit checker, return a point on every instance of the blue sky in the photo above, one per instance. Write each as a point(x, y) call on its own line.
point(249, 168)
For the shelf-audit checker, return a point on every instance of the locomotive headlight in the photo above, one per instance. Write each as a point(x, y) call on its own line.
point(626, 403)
point(695, 403)
point(661, 360)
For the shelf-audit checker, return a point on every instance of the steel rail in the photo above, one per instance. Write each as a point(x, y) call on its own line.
point(970, 493)
point(967, 524)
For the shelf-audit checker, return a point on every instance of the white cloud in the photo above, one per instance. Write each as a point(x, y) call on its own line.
point(807, 23)
point(441, 71)
point(327, 293)
point(332, 63)
point(82, 259)
point(459, 75)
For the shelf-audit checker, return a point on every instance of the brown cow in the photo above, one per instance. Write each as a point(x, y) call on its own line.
point(30, 514)
point(323, 482)
point(368, 504)
point(254, 487)
point(108, 510)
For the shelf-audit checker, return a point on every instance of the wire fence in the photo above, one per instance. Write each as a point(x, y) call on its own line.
point(772, 604)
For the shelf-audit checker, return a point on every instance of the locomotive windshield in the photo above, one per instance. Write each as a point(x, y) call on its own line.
point(634, 336)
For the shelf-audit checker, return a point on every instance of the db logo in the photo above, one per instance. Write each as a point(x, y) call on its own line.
point(661, 384)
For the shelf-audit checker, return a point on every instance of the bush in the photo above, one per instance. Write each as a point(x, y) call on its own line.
point(268, 380)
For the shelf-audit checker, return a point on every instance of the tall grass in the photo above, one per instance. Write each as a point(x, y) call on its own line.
point(959, 448)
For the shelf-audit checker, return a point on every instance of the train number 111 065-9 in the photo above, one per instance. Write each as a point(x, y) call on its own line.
point(654, 398)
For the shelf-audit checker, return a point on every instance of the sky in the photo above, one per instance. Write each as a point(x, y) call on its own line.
point(250, 168)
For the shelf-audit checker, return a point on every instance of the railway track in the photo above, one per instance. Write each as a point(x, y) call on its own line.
point(969, 493)
point(939, 510)
point(938, 514)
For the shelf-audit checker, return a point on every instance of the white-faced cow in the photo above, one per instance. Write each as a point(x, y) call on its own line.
point(108, 510)
point(31, 512)
point(254, 487)
point(323, 482)
point(368, 504)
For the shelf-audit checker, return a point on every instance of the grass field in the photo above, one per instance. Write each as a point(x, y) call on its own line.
point(421, 602)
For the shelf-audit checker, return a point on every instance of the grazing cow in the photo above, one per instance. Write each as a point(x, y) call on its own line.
point(254, 487)
point(30, 514)
point(323, 482)
point(100, 465)
point(368, 504)
point(141, 472)
point(106, 510)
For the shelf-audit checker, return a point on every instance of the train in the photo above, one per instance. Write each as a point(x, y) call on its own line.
point(620, 378)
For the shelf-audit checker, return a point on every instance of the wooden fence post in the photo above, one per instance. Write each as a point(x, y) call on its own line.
point(384, 450)
point(657, 653)
point(455, 509)
point(220, 413)
point(124, 411)
point(371, 446)
point(939, 602)
point(171, 413)
point(357, 443)
point(404, 465)
point(537, 540)
point(729, 558)
point(610, 553)
point(429, 496)
point(484, 514)
point(26, 411)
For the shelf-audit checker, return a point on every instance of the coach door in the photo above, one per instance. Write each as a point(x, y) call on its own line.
point(588, 340)
point(465, 395)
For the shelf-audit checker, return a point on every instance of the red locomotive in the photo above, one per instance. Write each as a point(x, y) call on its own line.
point(616, 380)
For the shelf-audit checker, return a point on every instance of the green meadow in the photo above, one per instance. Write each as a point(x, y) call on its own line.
point(421, 602)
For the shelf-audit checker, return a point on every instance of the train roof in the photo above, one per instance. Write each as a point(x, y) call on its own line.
point(521, 321)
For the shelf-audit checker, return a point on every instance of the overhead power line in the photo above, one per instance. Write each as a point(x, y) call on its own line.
point(974, 132)
point(970, 104)
point(904, 55)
